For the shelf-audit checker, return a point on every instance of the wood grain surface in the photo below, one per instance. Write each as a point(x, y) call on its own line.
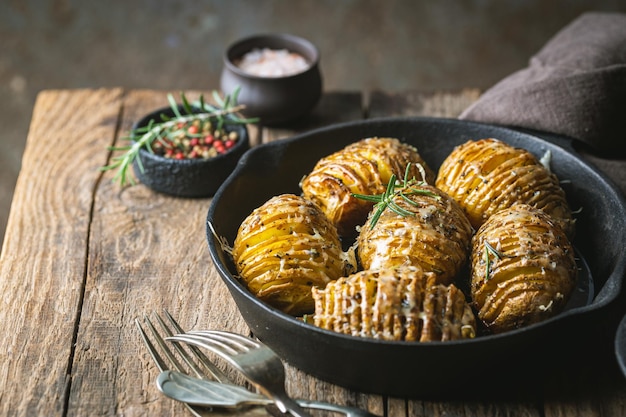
point(83, 258)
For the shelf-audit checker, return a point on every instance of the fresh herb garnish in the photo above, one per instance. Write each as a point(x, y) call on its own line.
point(396, 188)
point(490, 250)
point(143, 137)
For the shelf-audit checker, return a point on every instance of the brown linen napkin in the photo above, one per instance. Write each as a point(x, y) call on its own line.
point(574, 86)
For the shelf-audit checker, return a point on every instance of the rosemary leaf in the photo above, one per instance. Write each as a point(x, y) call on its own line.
point(487, 264)
point(218, 99)
point(490, 250)
point(415, 191)
point(393, 206)
point(173, 105)
point(493, 251)
point(406, 175)
point(390, 187)
point(186, 105)
point(408, 200)
point(235, 94)
point(118, 148)
point(377, 215)
point(373, 198)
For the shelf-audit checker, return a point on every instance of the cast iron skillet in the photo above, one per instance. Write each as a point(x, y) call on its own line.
point(495, 364)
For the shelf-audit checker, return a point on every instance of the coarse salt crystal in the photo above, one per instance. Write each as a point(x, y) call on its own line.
point(272, 63)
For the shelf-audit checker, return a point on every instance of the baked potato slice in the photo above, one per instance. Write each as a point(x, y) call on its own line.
point(363, 167)
point(429, 230)
point(488, 175)
point(523, 268)
point(286, 247)
point(401, 304)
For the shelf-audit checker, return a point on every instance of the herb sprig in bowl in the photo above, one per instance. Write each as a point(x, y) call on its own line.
point(193, 131)
point(186, 149)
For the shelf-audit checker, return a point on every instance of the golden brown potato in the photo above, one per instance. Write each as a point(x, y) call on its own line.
point(286, 247)
point(394, 304)
point(522, 268)
point(363, 167)
point(434, 233)
point(487, 175)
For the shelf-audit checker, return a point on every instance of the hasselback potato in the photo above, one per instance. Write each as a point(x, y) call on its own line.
point(394, 304)
point(432, 233)
point(286, 247)
point(488, 175)
point(363, 167)
point(523, 268)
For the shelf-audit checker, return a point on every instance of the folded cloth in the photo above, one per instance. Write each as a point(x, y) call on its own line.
point(574, 86)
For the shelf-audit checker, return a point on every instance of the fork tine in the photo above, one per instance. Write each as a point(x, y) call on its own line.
point(230, 345)
point(164, 348)
point(233, 339)
point(151, 349)
point(230, 350)
point(194, 367)
point(214, 371)
point(216, 346)
point(158, 360)
point(201, 357)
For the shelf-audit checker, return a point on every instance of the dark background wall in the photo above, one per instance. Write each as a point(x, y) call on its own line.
point(167, 44)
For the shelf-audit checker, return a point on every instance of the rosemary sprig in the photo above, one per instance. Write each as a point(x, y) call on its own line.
point(143, 137)
point(395, 188)
point(490, 250)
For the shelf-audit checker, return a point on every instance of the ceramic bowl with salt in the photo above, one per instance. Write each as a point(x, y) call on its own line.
point(278, 76)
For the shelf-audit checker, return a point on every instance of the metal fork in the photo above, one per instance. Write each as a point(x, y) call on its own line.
point(222, 394)
point(199, 364)
point(257, 362)
point(203, 392)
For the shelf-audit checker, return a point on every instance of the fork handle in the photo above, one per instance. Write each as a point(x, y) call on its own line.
point(287, 405)
point(342, 409)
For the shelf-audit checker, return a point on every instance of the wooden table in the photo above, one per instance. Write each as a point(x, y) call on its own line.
point(82, 258)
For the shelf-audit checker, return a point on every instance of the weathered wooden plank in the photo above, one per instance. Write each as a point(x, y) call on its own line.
point(148, 251)
point(42, 266)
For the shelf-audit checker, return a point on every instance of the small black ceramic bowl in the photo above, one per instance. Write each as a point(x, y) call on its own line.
point(274, 100)
point(489, 366)
point(187, 177)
